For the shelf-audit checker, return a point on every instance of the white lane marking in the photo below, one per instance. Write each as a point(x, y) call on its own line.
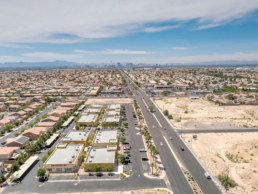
point(172, 151)
point(145, 103)
point(157, 119)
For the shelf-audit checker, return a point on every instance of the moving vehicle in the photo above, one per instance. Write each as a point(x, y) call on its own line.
point(182, 149)
point(207, 175)
point(142, 150)
point(145, 159)
point(161, 143)
point(171, 138)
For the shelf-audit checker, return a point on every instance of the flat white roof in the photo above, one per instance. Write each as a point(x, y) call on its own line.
point(69, 120)
point(88, 118)
point(112, 113)
point(65, 155)
point(23, 168)
point(108, 119)
point(100, 155)
point(92, 110)
point(52, 138)
point(105, 136)
point(95, 105)
point(114, 106)
point(76, 136)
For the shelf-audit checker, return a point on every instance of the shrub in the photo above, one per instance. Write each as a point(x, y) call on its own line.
point(226, 181)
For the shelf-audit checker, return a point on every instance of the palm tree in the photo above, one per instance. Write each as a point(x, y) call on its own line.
point(140, 126)
point(155, 153)
point(152, 165)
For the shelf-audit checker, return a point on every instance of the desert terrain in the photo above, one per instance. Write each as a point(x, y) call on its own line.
point(235, 154)
point(202, 114)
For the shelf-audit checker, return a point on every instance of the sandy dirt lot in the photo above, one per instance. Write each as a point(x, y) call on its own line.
point(109, 101)
point(201, 114)
point(235, 154)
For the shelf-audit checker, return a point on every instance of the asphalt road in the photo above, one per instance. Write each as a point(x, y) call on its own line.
point(12, 134)
point(175, 176)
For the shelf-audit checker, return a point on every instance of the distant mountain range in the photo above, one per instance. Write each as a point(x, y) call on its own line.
point(68, 64)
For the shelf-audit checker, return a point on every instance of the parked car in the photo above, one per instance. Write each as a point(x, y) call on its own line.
point(142, 150)
point(127, 147)
point(127, 160)
point(126, 143)
point(99, 174)
point(145, 159)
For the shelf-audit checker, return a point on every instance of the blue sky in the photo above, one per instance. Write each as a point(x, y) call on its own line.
point(148, 31)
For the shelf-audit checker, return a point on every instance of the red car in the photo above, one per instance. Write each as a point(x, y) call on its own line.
point(145, 159)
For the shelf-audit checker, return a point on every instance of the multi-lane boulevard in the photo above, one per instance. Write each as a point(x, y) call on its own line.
point(160, 129)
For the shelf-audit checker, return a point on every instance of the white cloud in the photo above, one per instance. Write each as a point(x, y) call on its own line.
point(39, 21)
point(52, 56)
point(179, 48)
point(13, 45)
point(114, 52)
point(158, 29)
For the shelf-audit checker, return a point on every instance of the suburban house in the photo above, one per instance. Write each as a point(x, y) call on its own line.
point(8, 154)
point(45, 124)
point(50, 119)
point(35, 133)
point(19, 141)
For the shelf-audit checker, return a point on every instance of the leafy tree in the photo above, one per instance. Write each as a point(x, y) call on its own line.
point(121, 158)
point(122, 130)
point(20, 108)
point(41, 172)
point(44, 116)
point(2, 178)
point(7, 127)
point(109, 168)
point(122, 139)
point(96, 168)
point(17, 134)
point(151, 108)
point(50, 151)
point(14, 167)
point(230, 97)
point(44, 158)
